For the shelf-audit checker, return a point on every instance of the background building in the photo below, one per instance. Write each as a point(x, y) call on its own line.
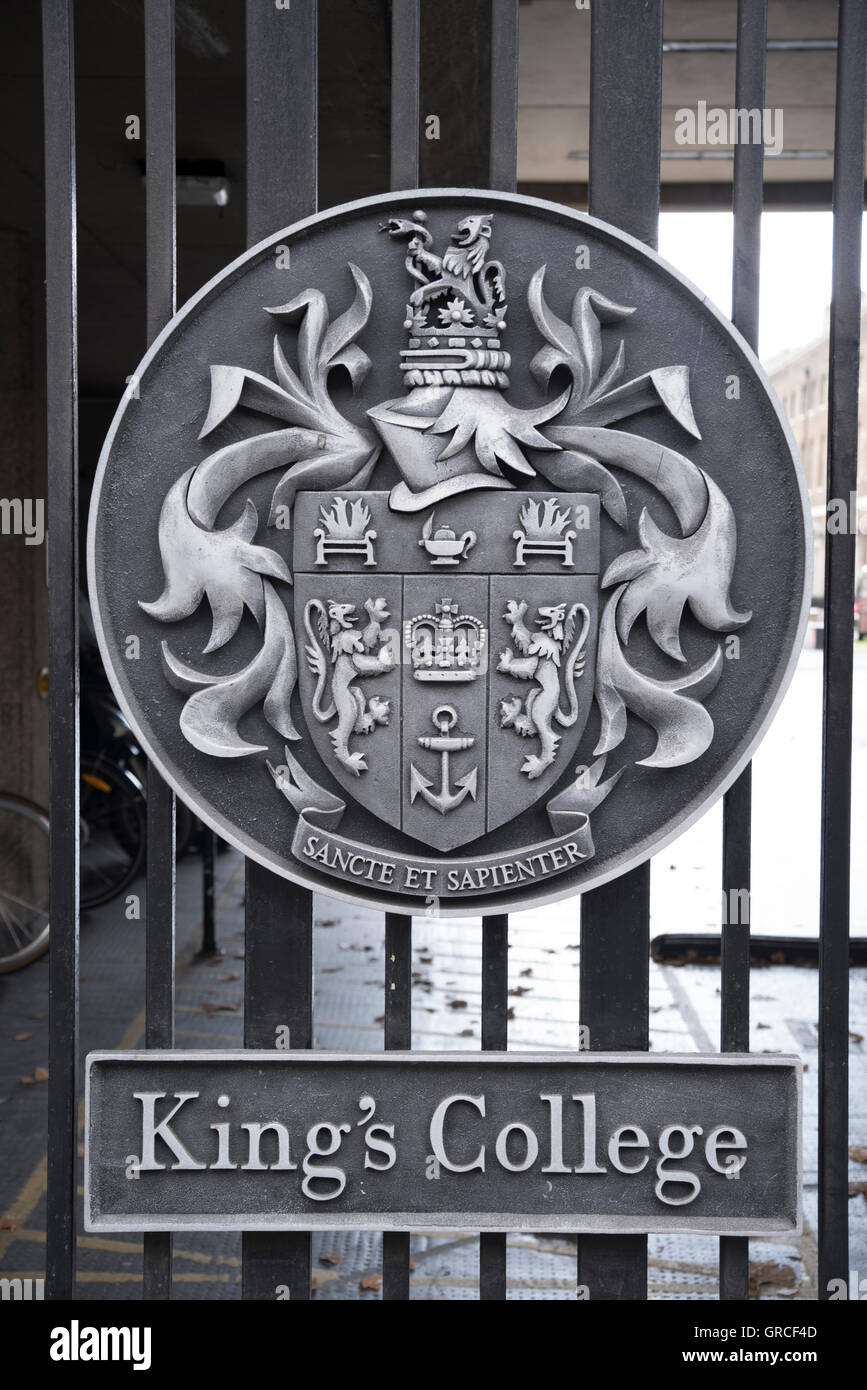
point(800, 379)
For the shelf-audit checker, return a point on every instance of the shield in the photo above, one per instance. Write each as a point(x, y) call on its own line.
point(448, 654)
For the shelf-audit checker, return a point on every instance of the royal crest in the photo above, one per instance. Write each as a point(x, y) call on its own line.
point(459, 602)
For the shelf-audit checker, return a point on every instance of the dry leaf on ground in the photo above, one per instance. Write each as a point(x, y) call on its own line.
point(772, 1275)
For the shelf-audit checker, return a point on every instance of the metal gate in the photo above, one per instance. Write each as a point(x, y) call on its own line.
point(625, 126)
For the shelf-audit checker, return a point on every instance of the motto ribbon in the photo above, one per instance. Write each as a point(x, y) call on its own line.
point(320, 812)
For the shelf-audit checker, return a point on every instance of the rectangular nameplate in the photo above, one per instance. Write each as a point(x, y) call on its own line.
point(620, 1142)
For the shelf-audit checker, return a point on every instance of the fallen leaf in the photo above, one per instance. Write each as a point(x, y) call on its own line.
point(858, 1152)
point(329, 1259)
point(772, 1275)
point(510, 1013)
point(380, 1018)
point(331, 969)
point(224, 979)
point(10, 1223)
point(528, 971)
point(457, 1003)
point(466, 1033)
point(40, 1074)
point(327, 922)
point(858, 1189)
point(211, 1008)
point(19, 1037)
point(215, 960)
point(521, 989)
point(763, 1025)
point(371, 1281)
point(856, 1037)
point(426, 960)
point(27, 1080)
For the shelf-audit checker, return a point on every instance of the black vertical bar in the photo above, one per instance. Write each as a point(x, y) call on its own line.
point(159, 17)
point(752, 33)
point(493, 1271)
point(625, 126)
point(405, 33)
point(495, 1001)
point(626, 115)
point(495, 983)
point(278, 996)
point(504, 94)
point(613, 1006)
point(848, 195)
point(209, 928)
point(398, 1036)
point(281, 115)
point(278, 975)
point(405, 26)
point(62, 460)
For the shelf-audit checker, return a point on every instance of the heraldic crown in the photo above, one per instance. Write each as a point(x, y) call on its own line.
point(446, 646)
point(458, 309)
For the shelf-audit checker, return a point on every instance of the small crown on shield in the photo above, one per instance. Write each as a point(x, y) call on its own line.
point(446, 646)
point(458, 309)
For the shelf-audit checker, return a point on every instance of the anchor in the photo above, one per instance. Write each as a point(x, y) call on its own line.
point(444, 718)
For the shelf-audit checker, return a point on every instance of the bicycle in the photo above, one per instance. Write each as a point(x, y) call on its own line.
point(23, 882)
point(111, 857)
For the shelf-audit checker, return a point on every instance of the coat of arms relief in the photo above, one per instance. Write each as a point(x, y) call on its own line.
point(441, 642)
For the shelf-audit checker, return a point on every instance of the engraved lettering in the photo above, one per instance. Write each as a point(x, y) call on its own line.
point(437, 1141)
point(151, 1131)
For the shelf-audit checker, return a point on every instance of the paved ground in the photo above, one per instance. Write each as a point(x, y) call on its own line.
point(349, 967)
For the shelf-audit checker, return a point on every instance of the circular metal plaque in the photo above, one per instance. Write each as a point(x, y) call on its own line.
point(448, 552)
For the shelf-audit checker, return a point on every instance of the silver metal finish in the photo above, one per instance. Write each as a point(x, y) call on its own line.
point(586, 1142)
point(656, 613)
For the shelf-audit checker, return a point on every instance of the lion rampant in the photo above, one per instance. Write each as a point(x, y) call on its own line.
point(336, 641)
point(549, 655)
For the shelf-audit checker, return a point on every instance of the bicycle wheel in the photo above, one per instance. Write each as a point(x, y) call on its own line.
point(113, 832)
point(23, 882)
